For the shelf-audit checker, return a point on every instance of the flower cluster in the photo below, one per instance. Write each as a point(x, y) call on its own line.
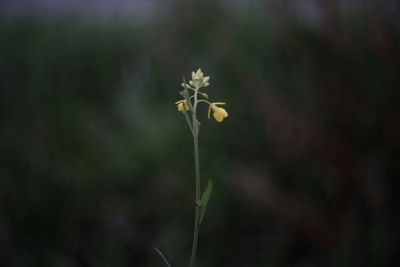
point(193, 95)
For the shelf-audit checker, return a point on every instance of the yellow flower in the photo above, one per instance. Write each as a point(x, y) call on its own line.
point(182, 106)
point(219, 113)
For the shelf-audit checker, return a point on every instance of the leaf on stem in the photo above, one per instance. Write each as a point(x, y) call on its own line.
point(204, 200)
point(185, 94)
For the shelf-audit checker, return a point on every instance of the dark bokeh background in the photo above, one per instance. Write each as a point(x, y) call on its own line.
point(96, 165)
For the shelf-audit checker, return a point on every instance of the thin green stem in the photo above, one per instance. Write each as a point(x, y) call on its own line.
point(191, 88)
point(205, 101)
point(197, 172)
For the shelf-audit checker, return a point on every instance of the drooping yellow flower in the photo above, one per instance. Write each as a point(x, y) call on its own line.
point(219, 113)
point(182, 106)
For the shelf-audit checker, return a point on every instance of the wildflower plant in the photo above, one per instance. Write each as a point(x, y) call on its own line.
point(193, 95)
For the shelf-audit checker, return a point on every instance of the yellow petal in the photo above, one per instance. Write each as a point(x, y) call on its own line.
point(223, 112)
point(218, 117)
point(180, 107)
point(219, 114)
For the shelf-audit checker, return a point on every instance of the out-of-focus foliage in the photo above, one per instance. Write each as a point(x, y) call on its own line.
point(96, 163)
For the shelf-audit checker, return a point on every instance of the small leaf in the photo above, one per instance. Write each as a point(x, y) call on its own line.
point(204, 200)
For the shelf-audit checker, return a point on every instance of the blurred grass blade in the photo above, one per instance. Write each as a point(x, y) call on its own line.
point(204, 200)
point(162, 256)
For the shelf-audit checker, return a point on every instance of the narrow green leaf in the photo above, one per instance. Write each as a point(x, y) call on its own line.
point(186, 95)
point(189, 122)
point(204, 200)
point(162, 256)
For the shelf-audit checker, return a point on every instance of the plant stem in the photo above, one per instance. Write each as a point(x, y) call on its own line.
point(197, 172)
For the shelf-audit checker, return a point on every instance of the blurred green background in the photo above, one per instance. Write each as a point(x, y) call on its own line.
point(96, 164)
